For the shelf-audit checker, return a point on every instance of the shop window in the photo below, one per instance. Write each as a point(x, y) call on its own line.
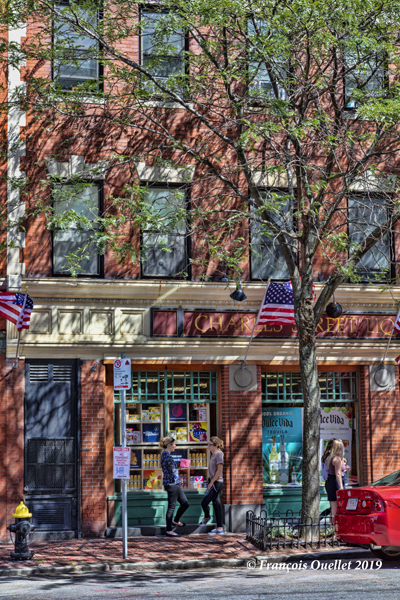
point(162, 48)
point(282, 415)
point(267, 260)
point(164, 238)
point(161, 403)
point(77, 54)
point(335, 386)
point(75, 239)
point(366, 213)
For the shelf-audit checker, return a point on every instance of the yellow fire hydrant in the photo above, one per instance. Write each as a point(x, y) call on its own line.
point(22, 528)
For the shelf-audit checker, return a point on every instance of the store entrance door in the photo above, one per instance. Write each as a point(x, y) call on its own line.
point(51, 446)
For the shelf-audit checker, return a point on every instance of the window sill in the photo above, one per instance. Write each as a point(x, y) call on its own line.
point(166, 104)
point(84, 100)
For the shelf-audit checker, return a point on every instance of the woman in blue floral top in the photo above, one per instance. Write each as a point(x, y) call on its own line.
point(172, 485)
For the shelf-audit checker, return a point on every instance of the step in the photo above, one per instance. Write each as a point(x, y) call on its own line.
point(151, 530)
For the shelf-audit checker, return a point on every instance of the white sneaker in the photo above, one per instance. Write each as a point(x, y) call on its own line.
point(216, 532)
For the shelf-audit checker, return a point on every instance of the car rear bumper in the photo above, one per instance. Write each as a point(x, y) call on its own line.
point(363, 529)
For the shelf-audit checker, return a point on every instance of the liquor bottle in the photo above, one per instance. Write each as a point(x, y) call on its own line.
point(294, 476)
point(283, 463)
point(273, 462)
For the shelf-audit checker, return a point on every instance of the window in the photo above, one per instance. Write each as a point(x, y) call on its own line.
point(282, 422)
point(335, 386)
point(365, 214)
point(260, 80)
point(267, 260)
point(179, 404)
point(77, 54)
point(84, 204)
point(162, 49)
point(164, 235)
point(368, 76)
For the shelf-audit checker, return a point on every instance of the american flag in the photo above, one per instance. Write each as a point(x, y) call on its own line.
point(17, 309)
point(278, 304)
point(397, 322)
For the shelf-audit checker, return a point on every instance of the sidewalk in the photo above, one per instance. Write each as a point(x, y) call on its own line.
point(196, 551)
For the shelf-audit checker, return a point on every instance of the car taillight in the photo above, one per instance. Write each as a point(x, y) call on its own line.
point(373, 505)
point(390, 504)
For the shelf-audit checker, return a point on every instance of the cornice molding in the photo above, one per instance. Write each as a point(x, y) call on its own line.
point(189, 294)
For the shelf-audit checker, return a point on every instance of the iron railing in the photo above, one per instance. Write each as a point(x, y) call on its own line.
point(277, 532)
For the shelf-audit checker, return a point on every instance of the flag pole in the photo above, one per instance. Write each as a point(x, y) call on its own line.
point(243, 365)
point(390, 339)
point(15, 364)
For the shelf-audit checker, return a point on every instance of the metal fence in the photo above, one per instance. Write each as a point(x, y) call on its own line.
point(277, 532)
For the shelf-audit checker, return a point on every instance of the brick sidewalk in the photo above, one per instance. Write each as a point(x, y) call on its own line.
point(143, 549)
point(140, 549)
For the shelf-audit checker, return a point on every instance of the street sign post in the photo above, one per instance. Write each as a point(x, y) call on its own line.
point(122, 382)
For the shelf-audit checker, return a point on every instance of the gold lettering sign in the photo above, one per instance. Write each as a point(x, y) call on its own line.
point(196, 323)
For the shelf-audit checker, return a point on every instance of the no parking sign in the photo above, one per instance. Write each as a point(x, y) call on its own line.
point(122, 374)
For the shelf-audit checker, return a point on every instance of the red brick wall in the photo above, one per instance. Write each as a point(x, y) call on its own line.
point(380, 430)
point(93, 516)
point(243, 447)
point(12, 440)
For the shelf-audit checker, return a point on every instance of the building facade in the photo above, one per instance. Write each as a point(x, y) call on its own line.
point(61, 416)
point(186, 339)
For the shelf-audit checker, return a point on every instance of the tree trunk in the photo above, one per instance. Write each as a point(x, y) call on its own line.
point(312, 413)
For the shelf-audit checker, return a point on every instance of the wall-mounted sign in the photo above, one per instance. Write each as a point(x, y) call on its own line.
point(196, 323)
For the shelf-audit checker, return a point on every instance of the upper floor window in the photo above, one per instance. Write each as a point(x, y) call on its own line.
point(162, 45)
point(266, 69)
point(365, 214)
point(78, 213)
point(164, 235)
point(76, 59)
point(366, 76)
point(267, 260)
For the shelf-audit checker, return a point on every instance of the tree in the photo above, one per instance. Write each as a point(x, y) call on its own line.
point(285, 115)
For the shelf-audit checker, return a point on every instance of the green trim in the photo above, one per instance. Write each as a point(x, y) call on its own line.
point(172, 386)
point(285, 387)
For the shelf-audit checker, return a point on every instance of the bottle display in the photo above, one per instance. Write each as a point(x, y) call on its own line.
point(283, 463)
point(273, 463)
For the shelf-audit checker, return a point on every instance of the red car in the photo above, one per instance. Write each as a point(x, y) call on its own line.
point(370, 516)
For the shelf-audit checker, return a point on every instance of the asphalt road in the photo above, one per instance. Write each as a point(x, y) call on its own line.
point(316, 581)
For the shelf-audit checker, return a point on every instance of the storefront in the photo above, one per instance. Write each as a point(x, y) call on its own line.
point(182, 404)
point(282, 433)
point(186, 342)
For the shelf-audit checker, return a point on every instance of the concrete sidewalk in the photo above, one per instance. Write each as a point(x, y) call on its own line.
point(157, 552)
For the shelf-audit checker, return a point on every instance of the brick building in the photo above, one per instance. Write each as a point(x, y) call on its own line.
point(60, 417)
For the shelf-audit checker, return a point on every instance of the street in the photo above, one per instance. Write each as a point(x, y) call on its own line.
point(350, 579)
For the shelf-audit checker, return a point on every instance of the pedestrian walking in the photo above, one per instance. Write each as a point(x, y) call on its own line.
point(172, 486)
point(215, 485)
point(334, 481)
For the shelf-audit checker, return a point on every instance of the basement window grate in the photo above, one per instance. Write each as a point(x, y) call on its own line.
point(50, 516)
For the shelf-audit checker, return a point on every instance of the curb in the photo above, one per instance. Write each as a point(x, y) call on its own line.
point(252, 562)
